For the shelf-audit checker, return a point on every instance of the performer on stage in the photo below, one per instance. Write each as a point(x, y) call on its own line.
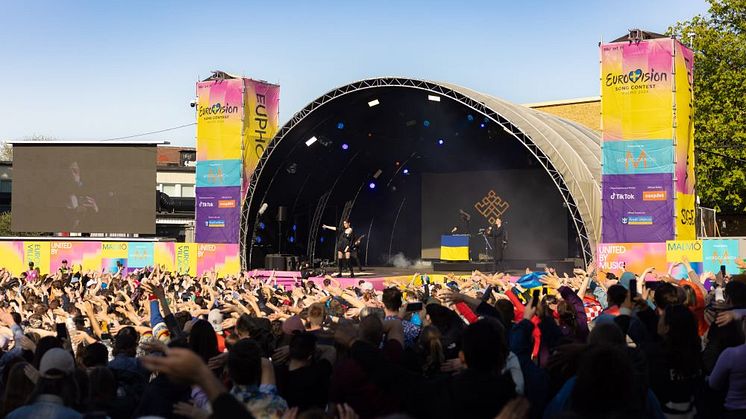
point(345, 240)
point(355, 252)
point(498, 237)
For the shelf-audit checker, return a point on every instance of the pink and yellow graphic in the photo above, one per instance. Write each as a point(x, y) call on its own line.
point(37, 252)
point(185, 261)
point(262, 110)
point(636, 86)
point(219, 119)
point(113, 252)
point(85, 254)
point(12, 257)
point(221, 258)
point(165, 256)
point(684, 140)
point(632, 257)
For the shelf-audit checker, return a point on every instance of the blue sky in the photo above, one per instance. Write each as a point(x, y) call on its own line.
point(96, 69)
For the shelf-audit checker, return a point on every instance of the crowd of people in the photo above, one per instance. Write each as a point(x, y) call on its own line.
point(150, 343)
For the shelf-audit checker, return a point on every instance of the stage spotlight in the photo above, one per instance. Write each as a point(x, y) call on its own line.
point(292, 168)
point(433, 98)
point(377, 174)
point(291, 239)
point(470, 117)
point(426, 123)
point(321, 239)
point(372, 185)
point(311, 141)
point(486, 120)
point(373, 103)
point(411, 123)
point(262, 226)
point(441, 141)
point(340, 125)
point(263, 208)
point(258, 239)
point(345, 146)
point(405, 171)
point(481, 125)
point(295, 227)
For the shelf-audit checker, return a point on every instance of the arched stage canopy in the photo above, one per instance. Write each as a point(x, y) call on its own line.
point(568, 152)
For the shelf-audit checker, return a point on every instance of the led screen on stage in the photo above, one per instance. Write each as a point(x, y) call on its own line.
point(526, 200)
point(84, 188)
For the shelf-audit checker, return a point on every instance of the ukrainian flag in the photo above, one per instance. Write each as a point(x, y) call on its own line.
point(454, 247)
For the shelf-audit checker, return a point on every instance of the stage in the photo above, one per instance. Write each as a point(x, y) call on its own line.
point(381, 276)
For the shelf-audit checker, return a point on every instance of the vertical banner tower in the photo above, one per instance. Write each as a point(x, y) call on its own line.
point(236, 119)
point(648, 150)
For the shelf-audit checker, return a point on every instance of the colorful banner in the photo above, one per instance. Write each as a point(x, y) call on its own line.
point(217, 173)
point(113, 252)
point(637, 208)
point(632, 257)
point(637, 157)
point(685, 178)
point(678, 250)
point(720, 252)
point(37, 252)
point(636, 86)
point(85, 255)
point(12, 256)
point(164, 255)
point(262, 110)
point(221, 258)
point(141, 254)
point(219, 119)
point(186, 258)
point(218, 215)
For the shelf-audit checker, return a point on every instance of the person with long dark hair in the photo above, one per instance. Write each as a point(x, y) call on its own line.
point(345, 241)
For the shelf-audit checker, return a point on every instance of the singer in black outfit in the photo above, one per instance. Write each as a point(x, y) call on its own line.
point(345, 240)
point(498, 239)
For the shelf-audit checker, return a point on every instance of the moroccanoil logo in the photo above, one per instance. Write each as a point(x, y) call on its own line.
point(217, 109)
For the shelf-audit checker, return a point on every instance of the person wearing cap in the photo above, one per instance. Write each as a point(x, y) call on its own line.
point(65, 268)
point(55, 391)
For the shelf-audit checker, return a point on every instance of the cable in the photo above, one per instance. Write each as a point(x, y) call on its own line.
point(151, 132)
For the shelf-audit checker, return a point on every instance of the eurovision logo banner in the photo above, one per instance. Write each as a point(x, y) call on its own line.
point(262, 110)
point(637, 208)
point(636, 90)
point(217, 173)
point(219, 119)
point(37, 252)
point(637, 157)
point(632, 257)
point(186, 258)
point(685, 162)
point(717, 252)
point(218, 215)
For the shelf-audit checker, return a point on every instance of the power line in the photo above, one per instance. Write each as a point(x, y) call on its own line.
point(151, 132)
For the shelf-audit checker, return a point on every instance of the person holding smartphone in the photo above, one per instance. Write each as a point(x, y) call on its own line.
point(392, 304)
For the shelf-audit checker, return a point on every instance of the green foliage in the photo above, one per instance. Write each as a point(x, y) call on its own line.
point(719, 43)
point(5, 230)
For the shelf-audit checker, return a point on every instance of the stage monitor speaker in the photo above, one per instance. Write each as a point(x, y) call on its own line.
point(275, 262)
point(282, 214)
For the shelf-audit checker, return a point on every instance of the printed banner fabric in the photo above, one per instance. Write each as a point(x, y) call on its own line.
point(636, 90)
point(637, 157)
point(186, 258)
point(720, 252)
point(165, 256)
point(113, 252)
point(685, 194)
point(219, 119)
point(637, 208)
point(632, 257)
point(218, 215)
point(221, 258)
point(218, 173)
point(79, 255)
point(37, 252)
point(140, 254)
point(12, 257)
point(677, 250)
point(262, 110)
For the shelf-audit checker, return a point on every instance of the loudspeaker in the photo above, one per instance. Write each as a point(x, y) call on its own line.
point(282, 214)
point(275, 262)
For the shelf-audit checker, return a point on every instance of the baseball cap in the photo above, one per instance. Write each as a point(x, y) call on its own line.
point(56, 359)
point(216, 319)
point(293, 324)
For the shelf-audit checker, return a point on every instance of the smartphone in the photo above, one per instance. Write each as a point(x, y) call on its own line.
point(652, 285)
point(414, 307)
point(61, 330)
point(535, 297)
point(722, 270)
point(487, 294)
point(632, 288)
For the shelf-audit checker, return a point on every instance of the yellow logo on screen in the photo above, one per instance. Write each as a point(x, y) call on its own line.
point(492, 206)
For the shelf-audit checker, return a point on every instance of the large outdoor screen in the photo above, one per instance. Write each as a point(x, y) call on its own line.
point(84, 188)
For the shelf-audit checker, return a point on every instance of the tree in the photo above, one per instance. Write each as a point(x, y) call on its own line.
point(719, 44)
point(5, 230)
